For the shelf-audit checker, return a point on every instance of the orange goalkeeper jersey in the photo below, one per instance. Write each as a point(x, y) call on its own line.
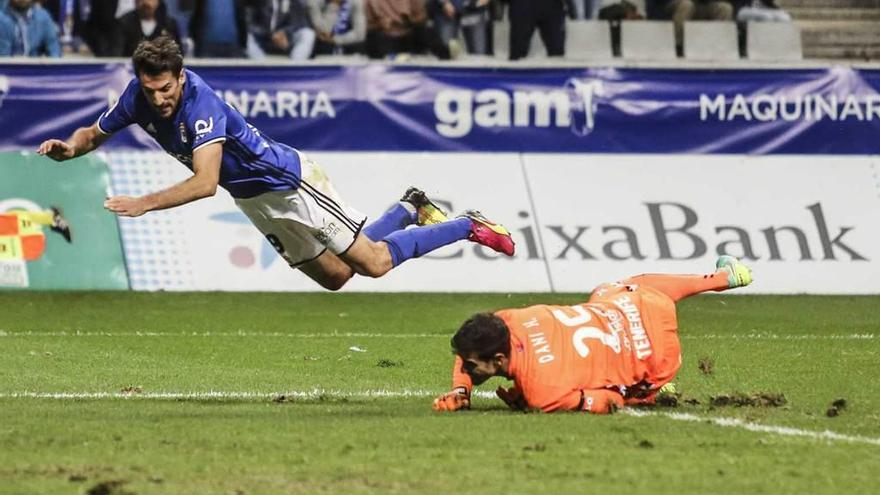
point(621, 346)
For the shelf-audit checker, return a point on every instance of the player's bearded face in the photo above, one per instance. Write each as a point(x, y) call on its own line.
point(478, 369)
point(163, 92)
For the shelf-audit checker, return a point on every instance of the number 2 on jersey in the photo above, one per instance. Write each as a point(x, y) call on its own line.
point(578, 339)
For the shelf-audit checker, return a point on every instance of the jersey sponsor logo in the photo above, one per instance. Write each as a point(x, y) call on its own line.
point(812, 107)
point(574, 107)
point(183, 137)
point(203, 127)
point(327, 233)
point(4, 88)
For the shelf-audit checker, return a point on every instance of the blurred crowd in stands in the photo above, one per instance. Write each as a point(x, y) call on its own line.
point(302, 29)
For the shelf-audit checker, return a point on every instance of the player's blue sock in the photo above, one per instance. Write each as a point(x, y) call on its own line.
point(396, 218)
point(412, 243)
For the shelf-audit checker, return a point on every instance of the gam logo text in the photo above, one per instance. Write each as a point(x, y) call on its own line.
point(459, 110)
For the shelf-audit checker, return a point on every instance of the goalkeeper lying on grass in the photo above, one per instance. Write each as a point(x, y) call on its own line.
point(620, 348)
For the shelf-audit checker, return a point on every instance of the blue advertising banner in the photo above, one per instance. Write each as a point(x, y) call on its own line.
point(377, 107)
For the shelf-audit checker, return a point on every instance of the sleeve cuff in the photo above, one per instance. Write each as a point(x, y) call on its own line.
point(100, 129)
point(220, 139)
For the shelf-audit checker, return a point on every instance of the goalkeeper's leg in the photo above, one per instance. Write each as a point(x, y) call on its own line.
point(731, 273)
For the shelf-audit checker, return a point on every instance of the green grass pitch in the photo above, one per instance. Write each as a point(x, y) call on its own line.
point(223, 360)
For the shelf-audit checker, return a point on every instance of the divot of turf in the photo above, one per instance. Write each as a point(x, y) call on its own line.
point(110, 487)
point(761, 399)
point(706, 365)
point(388, 363)
point(836, 408)
point(667, 400)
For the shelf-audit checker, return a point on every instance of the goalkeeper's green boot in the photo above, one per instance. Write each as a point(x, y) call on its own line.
point(738, 274)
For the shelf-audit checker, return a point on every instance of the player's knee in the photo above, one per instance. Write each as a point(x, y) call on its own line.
point(372, 268)
point(377, 263)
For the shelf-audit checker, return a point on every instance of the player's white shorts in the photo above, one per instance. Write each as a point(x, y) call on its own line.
point(303, 223)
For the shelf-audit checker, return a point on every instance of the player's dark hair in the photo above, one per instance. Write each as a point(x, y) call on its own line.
point(482, 335)
point(153, 57)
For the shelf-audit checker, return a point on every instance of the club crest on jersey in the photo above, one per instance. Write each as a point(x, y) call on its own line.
point(183, 133)
point(203, 127)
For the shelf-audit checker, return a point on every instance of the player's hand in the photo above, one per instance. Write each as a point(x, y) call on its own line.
point(453, 401)
point(56, 149)
point(512, 397)
point(126, 206)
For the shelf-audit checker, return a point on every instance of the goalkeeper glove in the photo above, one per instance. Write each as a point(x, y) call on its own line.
point(458, 398)
point(512, 397)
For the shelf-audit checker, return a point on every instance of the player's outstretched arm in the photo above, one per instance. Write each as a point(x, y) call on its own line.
point(82, 141)
point(206, 166)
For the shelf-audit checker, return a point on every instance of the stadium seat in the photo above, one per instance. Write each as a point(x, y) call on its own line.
point(774, 41)
point(710, 40)
point(647, 40)
point(587, 40)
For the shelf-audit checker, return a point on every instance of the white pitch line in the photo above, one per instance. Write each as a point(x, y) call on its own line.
point(374, 335)
point(214, 394)
point(775, 336)
point(381, 393)
point(756, 427)
point(331, 335)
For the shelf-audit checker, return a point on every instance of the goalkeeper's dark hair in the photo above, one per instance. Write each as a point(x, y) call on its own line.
point(153, 57)
point(483, 335)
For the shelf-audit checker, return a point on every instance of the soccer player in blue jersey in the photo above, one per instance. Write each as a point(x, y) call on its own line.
point(286, 196)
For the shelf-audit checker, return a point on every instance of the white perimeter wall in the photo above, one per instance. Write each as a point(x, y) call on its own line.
point(812, 222)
